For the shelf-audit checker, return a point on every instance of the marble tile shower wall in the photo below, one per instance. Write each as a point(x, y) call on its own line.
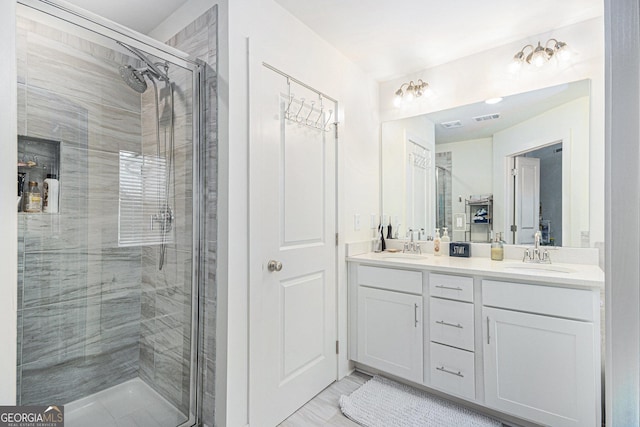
point(200, 39)
point(165, 339)
point(79, 293)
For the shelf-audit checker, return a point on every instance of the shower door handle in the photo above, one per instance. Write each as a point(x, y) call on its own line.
point(274, 265)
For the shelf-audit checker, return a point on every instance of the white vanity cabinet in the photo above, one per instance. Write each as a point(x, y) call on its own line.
point(389, 321)
point(451, 330)
point(541, 353)
point(523, 345)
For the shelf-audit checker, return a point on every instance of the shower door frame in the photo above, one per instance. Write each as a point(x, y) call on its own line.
point(104, 28)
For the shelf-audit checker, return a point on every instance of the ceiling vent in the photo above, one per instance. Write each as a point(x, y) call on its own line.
point(486, 117)
point(452, 124)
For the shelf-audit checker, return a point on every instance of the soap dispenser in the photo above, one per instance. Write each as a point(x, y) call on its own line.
point(445, 235)
point(497, 248)
point(436, 243)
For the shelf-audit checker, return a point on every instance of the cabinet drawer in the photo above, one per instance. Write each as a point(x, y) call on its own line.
point(391, 279)
point(453, 371)
point(548, 300)
point(451, 323)
point(452, 287)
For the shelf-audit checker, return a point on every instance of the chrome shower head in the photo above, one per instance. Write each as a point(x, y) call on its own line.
point(134, 78)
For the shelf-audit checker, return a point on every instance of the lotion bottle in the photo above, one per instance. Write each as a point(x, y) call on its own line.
point(436, 243)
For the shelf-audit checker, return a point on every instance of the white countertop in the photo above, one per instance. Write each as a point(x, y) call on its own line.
point(569, 275)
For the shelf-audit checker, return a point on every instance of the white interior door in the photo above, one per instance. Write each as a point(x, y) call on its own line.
point(292, 222)
point(527, 198)
point(420, 184)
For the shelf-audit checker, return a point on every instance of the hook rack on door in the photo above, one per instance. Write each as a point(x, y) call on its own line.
point(310, 113)
point(307, 113)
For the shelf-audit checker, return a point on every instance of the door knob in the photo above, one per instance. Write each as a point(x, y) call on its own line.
point(274, 265)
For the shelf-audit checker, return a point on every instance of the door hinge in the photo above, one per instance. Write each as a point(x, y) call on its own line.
point(336, 239)
point(514, 228)
point(335, 127)
point(514, 172)
point(337, 347)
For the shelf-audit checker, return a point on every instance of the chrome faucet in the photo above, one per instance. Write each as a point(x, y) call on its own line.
point(411, 247)
point(536, 256)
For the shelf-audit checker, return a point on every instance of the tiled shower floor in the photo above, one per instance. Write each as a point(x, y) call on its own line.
point(130, 404)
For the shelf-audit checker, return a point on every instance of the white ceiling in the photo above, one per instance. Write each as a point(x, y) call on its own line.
point(140, 15)
point(388, 39)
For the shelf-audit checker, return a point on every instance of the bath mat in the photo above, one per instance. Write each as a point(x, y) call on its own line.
point(381, 402)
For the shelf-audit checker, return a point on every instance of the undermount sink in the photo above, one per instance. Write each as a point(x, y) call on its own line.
point(400, 256)
point(537, 268)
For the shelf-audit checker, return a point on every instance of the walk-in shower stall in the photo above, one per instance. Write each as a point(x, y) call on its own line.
point(110, 281)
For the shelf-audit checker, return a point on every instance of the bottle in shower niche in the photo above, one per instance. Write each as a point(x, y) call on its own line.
point(34, 199)
point(51, 188)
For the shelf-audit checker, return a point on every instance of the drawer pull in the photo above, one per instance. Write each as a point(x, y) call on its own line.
point(415, 315)
point(457, 288)
point(443, 369)
point(488, 336)
point(442, 322)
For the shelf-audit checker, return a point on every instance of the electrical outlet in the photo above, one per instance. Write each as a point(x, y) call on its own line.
point(356, 222)
point(374, 223)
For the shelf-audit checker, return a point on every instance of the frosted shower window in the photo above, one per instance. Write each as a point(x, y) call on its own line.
point(141, 188)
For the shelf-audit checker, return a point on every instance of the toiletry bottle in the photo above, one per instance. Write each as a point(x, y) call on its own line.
point(444, 241)
point(34, 199)
point(497, 249)
point(51, 188)
point(436, 243)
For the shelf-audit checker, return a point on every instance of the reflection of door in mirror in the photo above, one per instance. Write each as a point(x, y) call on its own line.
point(419, 169)
point(538, 195)
point(443, 191)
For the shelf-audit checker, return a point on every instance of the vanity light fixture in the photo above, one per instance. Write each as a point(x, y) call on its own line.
point(539, 55)
point(412, 91)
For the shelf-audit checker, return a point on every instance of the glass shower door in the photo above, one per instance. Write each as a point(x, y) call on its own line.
point(107, 323)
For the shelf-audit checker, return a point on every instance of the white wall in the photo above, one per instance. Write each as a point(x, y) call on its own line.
point(485, 75)
point(466, 177)
point(8, 209)
point(295, 49)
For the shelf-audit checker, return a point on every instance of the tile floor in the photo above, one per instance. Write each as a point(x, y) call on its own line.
point(323, 410)
point(130, 404)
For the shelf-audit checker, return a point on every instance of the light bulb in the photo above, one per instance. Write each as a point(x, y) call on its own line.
point(409, 94)
point(516, 62)
point(539, 56)
point(397, 100)
point(563, 52)
point(515, 66)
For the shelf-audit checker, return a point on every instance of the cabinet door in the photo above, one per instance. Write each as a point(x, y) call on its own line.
point(390, 332)
point(540, 368)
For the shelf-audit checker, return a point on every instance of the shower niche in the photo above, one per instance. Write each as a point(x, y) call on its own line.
point(38, 159)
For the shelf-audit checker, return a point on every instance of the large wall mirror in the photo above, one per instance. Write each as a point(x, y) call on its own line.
point(512, 167)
